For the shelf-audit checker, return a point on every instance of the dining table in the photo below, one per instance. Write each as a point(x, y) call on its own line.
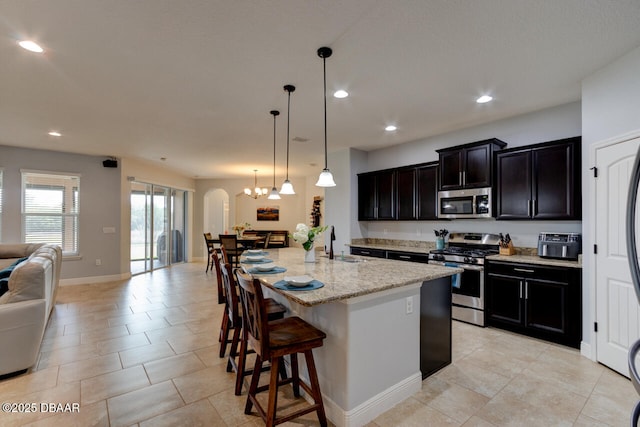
point(247, 241)
point(371, 311)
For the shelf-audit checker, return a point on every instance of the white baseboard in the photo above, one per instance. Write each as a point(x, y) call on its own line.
point(377, 405)
point(94, 279)
point(586, 351)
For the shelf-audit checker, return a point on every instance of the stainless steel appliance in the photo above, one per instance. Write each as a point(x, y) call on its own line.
point(467, 251)
point(470, 203)
point(559, 245)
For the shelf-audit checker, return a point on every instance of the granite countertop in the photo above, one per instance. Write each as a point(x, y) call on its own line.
point(524, 255)
point(343, 280)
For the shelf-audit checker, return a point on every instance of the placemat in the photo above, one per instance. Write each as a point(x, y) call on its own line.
point(315, 284)
point(255, 253)
point(275, 270)
point(260, 261)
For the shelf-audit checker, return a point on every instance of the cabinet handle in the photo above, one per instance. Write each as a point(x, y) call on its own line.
point(529, 208)
point(526, 290)
point(520, 289)
point(464, 178)
point(404, 257)
point(365, 252)
point(534, 207)
point(459, 178)
point(524, 270)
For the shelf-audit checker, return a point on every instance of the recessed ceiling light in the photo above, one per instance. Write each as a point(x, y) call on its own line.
point(340, 94)
point(484, 99)
point(54, 133)
point(390, 128)
point(30, 46)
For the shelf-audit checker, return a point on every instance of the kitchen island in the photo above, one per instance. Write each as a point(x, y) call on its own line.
point(370, 310)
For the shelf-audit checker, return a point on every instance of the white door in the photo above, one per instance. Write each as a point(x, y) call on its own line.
point(617, 310)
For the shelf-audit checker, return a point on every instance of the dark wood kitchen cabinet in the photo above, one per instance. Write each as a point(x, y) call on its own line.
point(376, 195)
point(540, 182)
point(468, 165)
point(406, 194)
point(536, 300)
point(427, 191)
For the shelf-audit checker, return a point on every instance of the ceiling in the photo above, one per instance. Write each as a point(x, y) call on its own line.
point(193, 81)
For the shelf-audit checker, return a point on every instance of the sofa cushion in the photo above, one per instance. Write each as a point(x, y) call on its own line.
point(28, 280)
point(18, 250)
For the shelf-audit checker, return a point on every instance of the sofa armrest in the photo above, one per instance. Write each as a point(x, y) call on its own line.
point(21, 330)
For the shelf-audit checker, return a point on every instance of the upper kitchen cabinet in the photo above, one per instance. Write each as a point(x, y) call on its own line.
point(468, 165)
point(406, 194)
point(539, 181)
point(427, 191)
point(376, 195)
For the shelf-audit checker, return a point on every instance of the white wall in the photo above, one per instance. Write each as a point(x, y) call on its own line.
point(99, 206)
point(610, 108)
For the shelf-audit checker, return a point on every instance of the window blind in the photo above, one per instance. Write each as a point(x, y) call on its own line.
point(50, 209)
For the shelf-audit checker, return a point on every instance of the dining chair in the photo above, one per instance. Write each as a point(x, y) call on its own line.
point(233, 250)
point(267, 237)
point(208, 239)
point(271, 341)
point(232, 321)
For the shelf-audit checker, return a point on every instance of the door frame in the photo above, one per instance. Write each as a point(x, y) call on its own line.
point(590, 349)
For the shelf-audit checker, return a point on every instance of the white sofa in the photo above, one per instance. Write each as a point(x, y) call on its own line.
point(26, 306)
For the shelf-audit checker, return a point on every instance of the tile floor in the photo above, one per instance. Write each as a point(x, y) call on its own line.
point(144, 352)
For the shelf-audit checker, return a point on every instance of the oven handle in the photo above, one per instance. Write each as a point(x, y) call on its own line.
point(458, 265)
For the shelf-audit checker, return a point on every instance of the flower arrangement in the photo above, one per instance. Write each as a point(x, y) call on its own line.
point(305, 235)
point(239, 228)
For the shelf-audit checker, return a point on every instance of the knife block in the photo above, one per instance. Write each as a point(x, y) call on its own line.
point(509, 250)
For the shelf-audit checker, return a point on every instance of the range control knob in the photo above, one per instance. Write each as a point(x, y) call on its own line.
point(438, 257)
point(470, 260)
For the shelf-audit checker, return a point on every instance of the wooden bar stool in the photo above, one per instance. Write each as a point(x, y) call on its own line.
point(233, 322)
point(271, 341)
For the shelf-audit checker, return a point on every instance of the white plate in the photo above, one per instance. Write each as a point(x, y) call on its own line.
point(255, 257)
point(298, 281)
point(265, 267)
point(254, 251)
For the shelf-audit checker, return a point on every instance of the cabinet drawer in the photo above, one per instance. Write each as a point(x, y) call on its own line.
point(408, 256)
point(526, 271)
point(377, 253)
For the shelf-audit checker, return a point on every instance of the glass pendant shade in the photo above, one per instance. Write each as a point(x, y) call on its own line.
point(325, 179)
point(287, 187)
point(274, 194)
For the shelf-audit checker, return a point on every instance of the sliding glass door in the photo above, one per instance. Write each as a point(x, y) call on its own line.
point(158, 227)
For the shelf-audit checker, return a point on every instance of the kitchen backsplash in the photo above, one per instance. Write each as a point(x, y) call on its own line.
point(421, 244)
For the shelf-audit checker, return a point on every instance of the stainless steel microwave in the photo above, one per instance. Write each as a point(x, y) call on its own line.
point(470, 203)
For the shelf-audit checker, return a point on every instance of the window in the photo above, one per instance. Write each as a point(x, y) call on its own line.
point(50, 209)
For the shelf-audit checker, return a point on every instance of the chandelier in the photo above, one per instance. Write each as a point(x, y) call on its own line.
point(257, 191)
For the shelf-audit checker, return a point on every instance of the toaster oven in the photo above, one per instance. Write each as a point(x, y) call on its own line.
point(560, 245)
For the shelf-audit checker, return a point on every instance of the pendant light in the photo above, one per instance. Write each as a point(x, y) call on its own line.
point(257, 191)
point(287, 187)
point(325, 179)
point(274, 191)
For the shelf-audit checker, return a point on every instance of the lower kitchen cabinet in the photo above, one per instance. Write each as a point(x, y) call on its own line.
point(377, 253)
point(535, 300)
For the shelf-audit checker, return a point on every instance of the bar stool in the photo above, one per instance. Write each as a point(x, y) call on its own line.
point(271, 341)
point(233, 320)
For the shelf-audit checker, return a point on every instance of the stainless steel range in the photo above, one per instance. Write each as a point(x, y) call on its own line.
point(467, 251)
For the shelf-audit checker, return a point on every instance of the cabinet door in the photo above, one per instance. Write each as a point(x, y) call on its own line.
point(427, 178)
point(554, 182)
point(477, 167)
point(406, 191)
point(504, 294)
point(385, 195)
point(451, 164)
point(546, 305)
point(366, 197)
point(513, 185)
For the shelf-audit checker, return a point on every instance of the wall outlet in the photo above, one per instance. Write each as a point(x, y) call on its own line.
point(98, 261)
point(409, 305)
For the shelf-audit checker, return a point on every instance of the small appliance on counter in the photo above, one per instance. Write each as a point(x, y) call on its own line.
point(559, 245)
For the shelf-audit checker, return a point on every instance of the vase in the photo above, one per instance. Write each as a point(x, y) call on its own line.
point(310, 255)
point(439, 242)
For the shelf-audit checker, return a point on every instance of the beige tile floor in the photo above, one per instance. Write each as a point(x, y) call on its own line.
point(144, 352)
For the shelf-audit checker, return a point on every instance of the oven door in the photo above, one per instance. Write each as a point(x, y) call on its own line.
point(469, 290)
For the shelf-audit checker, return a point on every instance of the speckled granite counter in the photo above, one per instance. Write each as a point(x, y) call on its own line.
point(525, 255)
point(343, 280)
point(534, 259)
